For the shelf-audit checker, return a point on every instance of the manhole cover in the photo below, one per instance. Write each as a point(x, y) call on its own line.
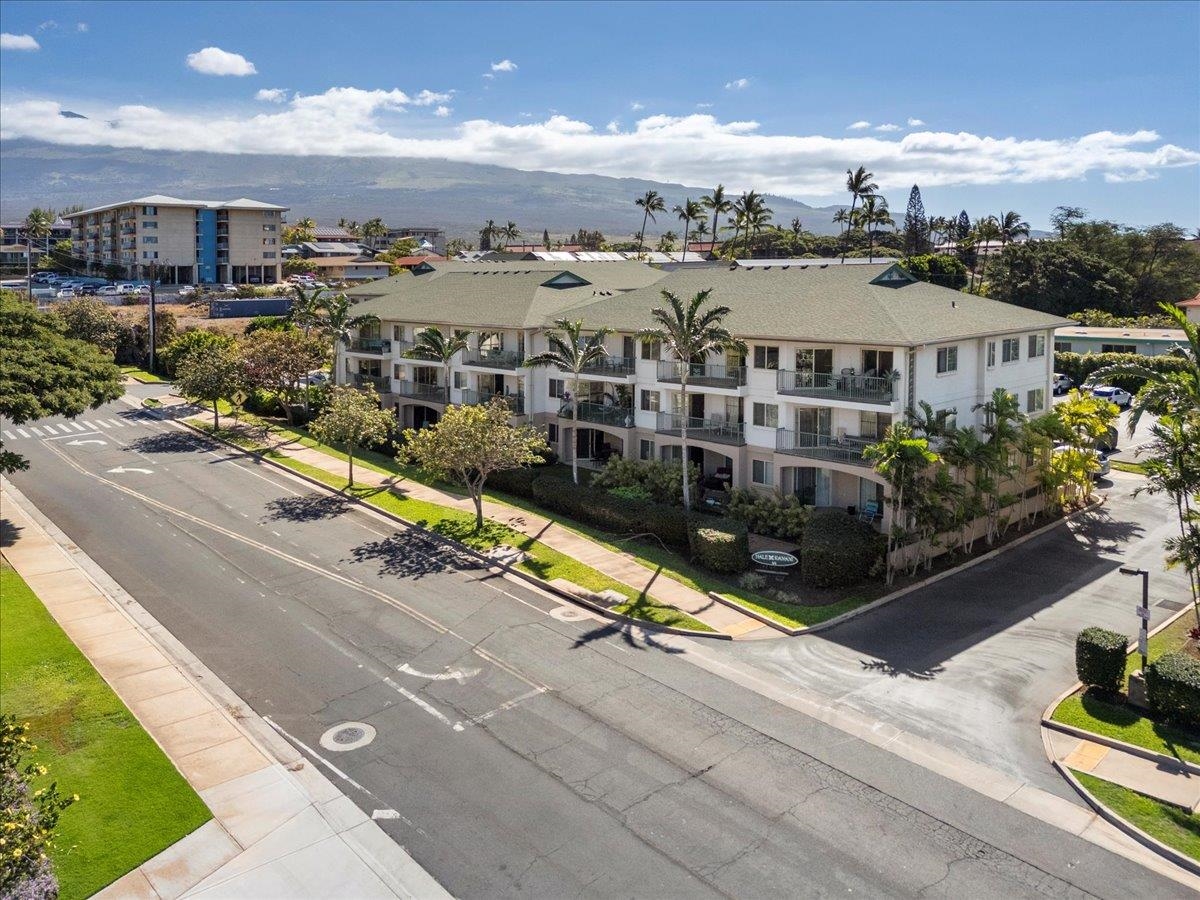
point(569, 613)
point(347, 736)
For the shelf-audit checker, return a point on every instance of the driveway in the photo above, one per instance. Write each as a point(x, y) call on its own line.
point(972, 661)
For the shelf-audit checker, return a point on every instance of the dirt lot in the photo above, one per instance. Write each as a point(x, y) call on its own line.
point(186, 316)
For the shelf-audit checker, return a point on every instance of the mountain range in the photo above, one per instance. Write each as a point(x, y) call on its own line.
point(458, 197)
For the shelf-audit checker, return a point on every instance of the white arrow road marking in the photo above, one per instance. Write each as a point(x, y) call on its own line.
point(457, 675)
point(87, 441)
point(385, 814)
point(121, 470)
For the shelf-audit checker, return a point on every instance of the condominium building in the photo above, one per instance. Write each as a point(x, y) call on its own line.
point(834, 355)
point(182, 241)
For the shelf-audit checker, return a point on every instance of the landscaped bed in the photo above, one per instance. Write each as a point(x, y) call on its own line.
point(133, 803)
point(143, 376)
point(1172, 825)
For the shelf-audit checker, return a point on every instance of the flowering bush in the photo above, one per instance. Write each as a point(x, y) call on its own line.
point(27, 818)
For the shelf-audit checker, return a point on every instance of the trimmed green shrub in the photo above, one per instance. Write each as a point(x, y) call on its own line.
point(720, 546)
point(663, 481)
point(631, 492)
point(837, 549)
point(1078, 366)
point(1100, 658)
point(772, 515)
point(615, 514)
point(1173, 688)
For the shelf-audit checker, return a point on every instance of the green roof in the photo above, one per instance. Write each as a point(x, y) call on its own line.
point(857, 304)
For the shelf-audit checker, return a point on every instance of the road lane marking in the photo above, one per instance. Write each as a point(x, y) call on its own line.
point(104, 424)
point(458, 675)
point(80, 443)
point(49, 429)
point(515, 701)
point(385, 814)
point(68, 435)
point(121, 470)
point(91, 425)
point(35, 430)
point(318, 757)
point(77, 426)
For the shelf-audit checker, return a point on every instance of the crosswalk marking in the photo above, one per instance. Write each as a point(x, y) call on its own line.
point(10, 436)
point(104, 424)
point(35, 430)
point(117, 422)
point(77, 426)
point(49, 428)
point(23, 432)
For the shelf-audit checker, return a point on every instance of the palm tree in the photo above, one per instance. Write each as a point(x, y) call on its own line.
point(571, 352)
point(651, 203)
point(757, 220)
point(1002, 424)
point(860, 186)
point(966, 452)
point(752, 215)
point(489, 232)
point(900, 458)
point(700, 232)
point(719, 204)
point(37, 225)
point(841, 218)
point(797, 227)
point(306, 224)
point(666, 242)
point(690, 333)
point(874, 213)
point(432, 344)
point(1011, 227)
point(372, 229)
point(338, 322)
point(306, 308)
point(940, 225)
point(687, 213)
point(510, 232)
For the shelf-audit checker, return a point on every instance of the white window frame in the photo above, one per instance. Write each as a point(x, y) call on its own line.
point(951, 360)
point(767, 469)
point(1007, 345)
point(1038, 395)
point(991, 354)
point(557, 388)
point(769, 412)
point(649, 401)
point(1036, 348)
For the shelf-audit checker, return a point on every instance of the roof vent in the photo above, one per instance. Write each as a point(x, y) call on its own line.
point(766, 268)
point(733, 267)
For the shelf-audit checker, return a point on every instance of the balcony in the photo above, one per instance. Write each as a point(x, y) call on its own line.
point(612, 367)
point(516, 402)
point(493, 359)
point(826, 385)
point(616, 416)
point(719, 431)
point(832, 448)
point(419, 390)
point(381, 383)
point(373, 346)
point(701, 375)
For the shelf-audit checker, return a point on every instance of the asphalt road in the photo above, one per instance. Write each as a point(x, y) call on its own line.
point(972, 661)
point(528, 751)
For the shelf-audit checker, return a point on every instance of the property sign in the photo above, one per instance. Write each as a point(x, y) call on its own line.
point(1142, 642)
point(1143, 613)
point(774, 559)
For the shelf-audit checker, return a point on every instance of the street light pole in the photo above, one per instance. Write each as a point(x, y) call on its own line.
point(153, 266)
point(1143, 612)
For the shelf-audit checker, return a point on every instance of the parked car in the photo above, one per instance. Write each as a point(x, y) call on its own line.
point(187, 290)
point(109, 290)
point(1103, 466)
point(90, 290)
point(1061, 383)
point(315, 379)
point(225, 287)
point(1121, 398)
point(65, 292)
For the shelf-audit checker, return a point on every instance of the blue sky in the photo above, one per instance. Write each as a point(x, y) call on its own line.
point(996, 105)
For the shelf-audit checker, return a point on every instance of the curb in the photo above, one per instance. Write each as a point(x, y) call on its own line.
point(896, 595)
point(488, 561)
point(1182, 766)
point(1169, 853)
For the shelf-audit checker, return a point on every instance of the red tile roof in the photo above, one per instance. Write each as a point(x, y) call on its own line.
point(1195, 301)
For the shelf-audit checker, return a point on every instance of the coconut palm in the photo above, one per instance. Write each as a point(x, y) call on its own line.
point(37, 227)
point(797, 227)
point(873, 214)
point(757, 220)
point(510, 232)
point(432, 344)
point(700, 232)
point(1011, 226)
point(336, 320)
point(860, 186)
point(650, 203)
point(1002, 425)
point(489, 232)
point(984, 231)
point(666, 242)
point(306, 308)
point(571, 352)
point(689, 331)
point(688, 212)
point(719, 204)
point(900, 458)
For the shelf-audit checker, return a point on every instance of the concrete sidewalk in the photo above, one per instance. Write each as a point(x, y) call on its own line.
point(1171, 784)
point(280, 828)
point(615, 565)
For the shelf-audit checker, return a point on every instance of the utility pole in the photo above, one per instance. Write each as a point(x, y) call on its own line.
point(153, 278)
point(1137, 683)
point(28, 266)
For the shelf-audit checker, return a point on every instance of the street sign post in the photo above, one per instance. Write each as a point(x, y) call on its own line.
point(1143, 613)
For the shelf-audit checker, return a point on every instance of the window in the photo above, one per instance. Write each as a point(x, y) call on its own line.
point(149, 223)
point(766, 357)
point(270, 255)
point(1118, 348)
point(397, 332)
point(762, 472)
point(991, 354)
point(149, 240)
point(146, 254)
point(1037, 346)
point(649, 401)
point(460, 381)
point(947, 360)
point(651, 350)
point(552, 433)
point(149, 210)
point(646, 449)
point(766, 415)
point(270, 213)
point(268, 228)
point(1062, 346)
point(1010, 350)
point(268, 242)
point(1035, 400)
point(556, 388)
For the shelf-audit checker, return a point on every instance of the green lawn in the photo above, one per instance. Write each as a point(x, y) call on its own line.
point(143, 376)
point(133, 803)
point(1172, 825)
point(1086, 710)
point(1122, 466)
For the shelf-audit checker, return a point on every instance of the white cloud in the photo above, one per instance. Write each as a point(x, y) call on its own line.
point(887, 126)
point(692, 149)
point(914, 123)
point(488, 75)
point(81, 27)
point(18, 42)
point(703, 106)
point(271, 95)
point(215, 61)
point(442, 112)
point(635, 106)
point(47, 25)
point(738, 84)
point(859, 125)
point(613, 127)
point(428, 98)
point(505, 65)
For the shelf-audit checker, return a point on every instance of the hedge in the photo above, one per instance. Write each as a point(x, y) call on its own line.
point(1078, 366)
point(612, 513)
point(775, 516)
point(1173, 688)
point(1100, 658)
point(837, 549)
point(721, 546)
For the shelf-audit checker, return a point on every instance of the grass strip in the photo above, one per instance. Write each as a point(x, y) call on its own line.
point(133, 803)
point(1174, 826)
point(1125, 723)
point(544, 562)
point(143, 376)
point(1122, 466)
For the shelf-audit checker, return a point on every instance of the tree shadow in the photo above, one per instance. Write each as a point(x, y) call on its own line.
point(168, 442)
point(9, 533)
point(1110, 710)
point(625, 633)
point(310, 508)
point(892, 670)
point(1099, 532)
point(413, 554)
